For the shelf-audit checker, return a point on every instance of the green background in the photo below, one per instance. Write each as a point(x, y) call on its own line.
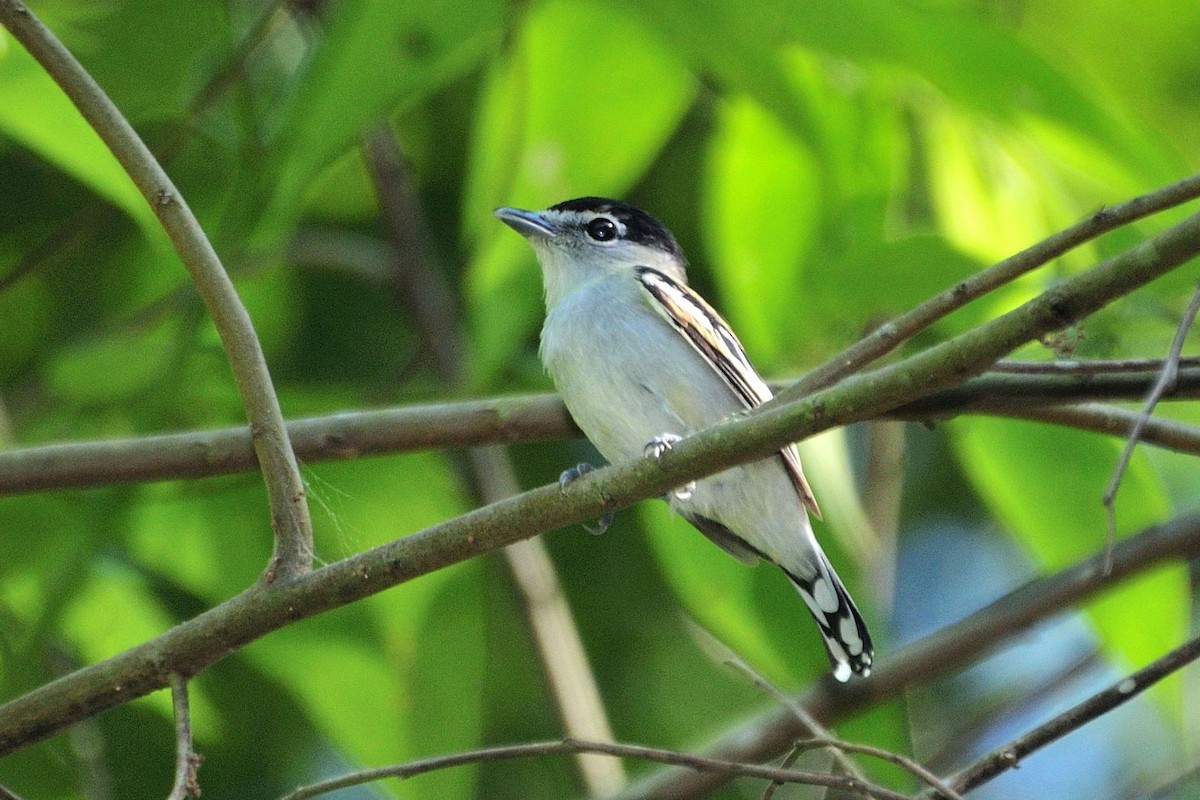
point(824, 165)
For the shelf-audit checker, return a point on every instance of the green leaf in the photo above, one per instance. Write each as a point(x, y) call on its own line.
point(762, 211)
point(116, 366)
point(114, 611)
point(549, 131)
point(218, 539)
point(376, 57)
point(912, 269)
point(336, 669)
point(743, 45)
point(175, 40)
point(447, 679)
point(37, 114)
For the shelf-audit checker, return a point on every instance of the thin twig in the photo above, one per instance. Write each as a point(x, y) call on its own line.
point(1166, 382)
point(285, 489)
point(1099, 366)
point(786, 763)
point(488, 471)
point(1112, 420)
point(821, 736)
point(187, 760)
point(5, 792)
point(894, 333)
point(569, 746)
point(723, 653)
point(1009, 756)
point(968, 640)
point(1004, 707)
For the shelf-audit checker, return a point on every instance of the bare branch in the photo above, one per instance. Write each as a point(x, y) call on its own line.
point(187, 760)
point(8, 794)
point(821, 736)
point(894, 333)
point(1088, 366)
point(1165, 382)
point(568, 746)
point(223, 451)
point(1099, 418)
point(965, 641)
point(285, 490)
point(1009, 756)
point(503, 420)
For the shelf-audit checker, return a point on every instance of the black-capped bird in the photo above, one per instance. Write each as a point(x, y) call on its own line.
point(641, 360)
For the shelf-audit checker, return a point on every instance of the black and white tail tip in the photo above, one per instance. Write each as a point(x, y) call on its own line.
point(846, 638)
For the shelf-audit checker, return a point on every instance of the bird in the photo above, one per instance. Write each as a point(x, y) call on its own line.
point(641, 360)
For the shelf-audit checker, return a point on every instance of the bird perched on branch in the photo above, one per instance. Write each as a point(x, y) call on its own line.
point(641, 360)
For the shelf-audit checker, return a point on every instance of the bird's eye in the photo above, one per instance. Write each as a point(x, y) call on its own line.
point(602, 229)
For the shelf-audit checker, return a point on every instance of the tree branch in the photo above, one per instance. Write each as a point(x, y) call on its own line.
point(502, 420)
point(187, 760)
point(1114, 421)
point(1165, 382)
point(223, 451)
point(820, 736)
point(963, 642)
point(285, 489)
point(899, 330)
point(728, 769)
point(1009, 756)
point(200, 642)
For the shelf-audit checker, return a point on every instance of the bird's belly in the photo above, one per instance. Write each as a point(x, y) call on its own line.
point(628, 379)
point(626, 384)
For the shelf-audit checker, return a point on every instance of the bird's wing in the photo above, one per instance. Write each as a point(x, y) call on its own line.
point(711, 336)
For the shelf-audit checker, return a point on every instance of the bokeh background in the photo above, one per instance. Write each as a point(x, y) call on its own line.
point(824, 165)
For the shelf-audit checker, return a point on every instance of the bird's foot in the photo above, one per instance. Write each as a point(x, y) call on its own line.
point(601, 525)
point(573, 474)
point(655, 449)
point(660, 444)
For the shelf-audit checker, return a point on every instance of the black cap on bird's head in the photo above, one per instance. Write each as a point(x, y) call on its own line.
point(579, 240)
point(638, 226)
point(600, 219)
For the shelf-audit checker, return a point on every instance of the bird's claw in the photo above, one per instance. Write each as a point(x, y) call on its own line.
point(655, 449)
point(601, 524)
point(660, 444)
point(571, 475)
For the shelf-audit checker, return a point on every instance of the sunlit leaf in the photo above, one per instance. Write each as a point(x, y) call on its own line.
point(762, 215)
point(35, 113)
point(375, 57)
point(114, 366)
point(548, 132)
point(742, 44)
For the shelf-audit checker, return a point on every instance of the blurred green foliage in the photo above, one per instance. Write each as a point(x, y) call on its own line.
point(824, 165)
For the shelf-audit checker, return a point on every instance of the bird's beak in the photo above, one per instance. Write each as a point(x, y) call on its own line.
point(527, 223)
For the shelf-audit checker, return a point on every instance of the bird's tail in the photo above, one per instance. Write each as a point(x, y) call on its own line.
point(846, 638)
